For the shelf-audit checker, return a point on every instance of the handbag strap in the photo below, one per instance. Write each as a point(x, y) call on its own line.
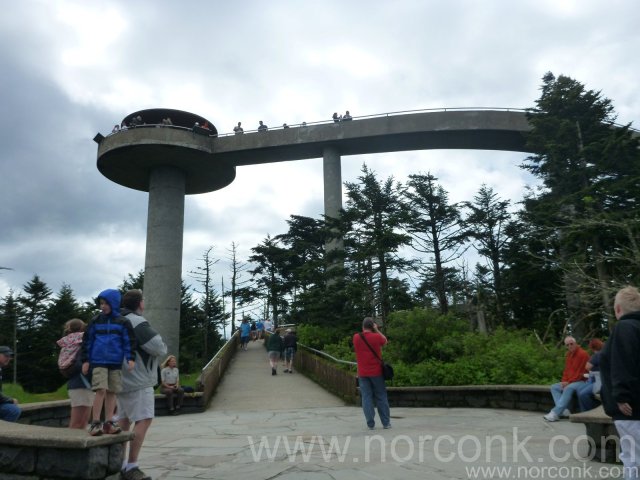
point(370, 347)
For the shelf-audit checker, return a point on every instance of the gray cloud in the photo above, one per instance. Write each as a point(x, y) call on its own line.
point(72, 68)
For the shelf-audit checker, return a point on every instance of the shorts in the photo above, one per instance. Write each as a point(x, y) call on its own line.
point(137, 405)
point(289, 352)
point(103, 378)
point(273, 355)
point(81, 397)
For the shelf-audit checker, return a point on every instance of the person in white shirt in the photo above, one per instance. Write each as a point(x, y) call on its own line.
point(170, 386)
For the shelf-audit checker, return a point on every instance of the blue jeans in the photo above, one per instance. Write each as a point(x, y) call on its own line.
point(9, 412)
point(586, 399)
point(374, 393)
point(562, 396)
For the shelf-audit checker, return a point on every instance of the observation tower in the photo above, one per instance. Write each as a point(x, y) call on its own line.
point(168, 161)
point(171, 161)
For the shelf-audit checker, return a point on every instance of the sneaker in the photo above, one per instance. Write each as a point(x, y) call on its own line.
point(286, 371)
point(387, 427)
point(566, 413)
point(273, 371)
point(371, 428)
point(551, 417)
point(111, 428)
point(290, 371)
point(95, 430)
point(134, 474)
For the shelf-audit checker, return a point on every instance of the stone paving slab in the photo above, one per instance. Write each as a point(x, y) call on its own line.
point(286, 427)
point(333, 443)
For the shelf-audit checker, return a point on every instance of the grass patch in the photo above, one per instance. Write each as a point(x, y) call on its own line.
point(16, 391)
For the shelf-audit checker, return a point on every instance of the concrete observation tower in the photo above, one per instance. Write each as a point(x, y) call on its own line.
point(169, 162)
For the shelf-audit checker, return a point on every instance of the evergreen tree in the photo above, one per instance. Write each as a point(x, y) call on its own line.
point(486, 223)
point(376, 218)
point(133, 282)
point(34, 350)
point(9, 314)
point(590, 171)
point(272, 275)
point(436, 230)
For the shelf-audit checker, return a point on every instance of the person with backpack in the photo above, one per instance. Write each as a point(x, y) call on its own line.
point(70, 366)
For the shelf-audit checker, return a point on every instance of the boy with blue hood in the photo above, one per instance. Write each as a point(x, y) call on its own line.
point(108, 341)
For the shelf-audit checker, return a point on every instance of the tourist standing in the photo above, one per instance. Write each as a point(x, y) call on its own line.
point(78, 385)
point(108, 342)
point(136, 402)
point(245, 333)
point(290, 349)
point(275, 347)
point(373, 391)
point(620, 380)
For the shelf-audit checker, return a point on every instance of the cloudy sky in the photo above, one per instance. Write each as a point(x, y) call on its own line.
point(71, 69)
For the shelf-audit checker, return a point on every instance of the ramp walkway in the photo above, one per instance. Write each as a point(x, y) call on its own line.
point(249, 386)
point(286, 427)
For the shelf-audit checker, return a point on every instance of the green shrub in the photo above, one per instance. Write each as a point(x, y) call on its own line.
point(504, 357)
point(421, 334)
point(342, 350)
point(317, 337)
point(428, 349)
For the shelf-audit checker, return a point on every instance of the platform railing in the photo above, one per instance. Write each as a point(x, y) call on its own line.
point(201, 131)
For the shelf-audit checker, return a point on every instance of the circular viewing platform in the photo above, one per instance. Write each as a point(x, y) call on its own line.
point(163, 137)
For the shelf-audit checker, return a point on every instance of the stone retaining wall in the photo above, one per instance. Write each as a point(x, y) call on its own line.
point(535, 398)
point(212, 374)
point(33, 452)
point(338, 381)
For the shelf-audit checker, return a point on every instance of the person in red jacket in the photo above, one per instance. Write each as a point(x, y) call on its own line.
point(573, 379)
point(373, 390)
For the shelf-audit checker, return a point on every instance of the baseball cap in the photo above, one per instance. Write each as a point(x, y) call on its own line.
point(6, 350)
point(288, 330)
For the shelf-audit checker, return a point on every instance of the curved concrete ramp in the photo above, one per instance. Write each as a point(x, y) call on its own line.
point(469, 129)
point(249, 386)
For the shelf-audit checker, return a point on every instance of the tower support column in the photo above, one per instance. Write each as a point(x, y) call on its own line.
point(332, 174)
point(163, 260)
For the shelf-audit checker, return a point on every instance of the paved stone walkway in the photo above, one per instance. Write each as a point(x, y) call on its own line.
point(287, 427)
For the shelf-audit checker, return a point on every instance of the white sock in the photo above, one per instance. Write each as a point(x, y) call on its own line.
point(129, 466)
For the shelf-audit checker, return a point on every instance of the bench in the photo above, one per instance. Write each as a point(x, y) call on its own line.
point(191, 403)
point(39, 452)
point(604, 441)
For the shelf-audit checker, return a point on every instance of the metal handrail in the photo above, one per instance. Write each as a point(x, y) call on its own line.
point(380, 115)
point(361, 117)
point(326, 355)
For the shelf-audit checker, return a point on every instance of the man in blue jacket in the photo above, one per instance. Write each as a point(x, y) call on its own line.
point(619, 363)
